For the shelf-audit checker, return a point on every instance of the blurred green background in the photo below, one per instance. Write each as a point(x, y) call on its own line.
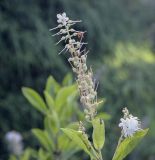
point(121, 37)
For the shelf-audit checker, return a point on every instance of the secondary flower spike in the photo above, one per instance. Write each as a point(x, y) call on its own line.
point(129, 124)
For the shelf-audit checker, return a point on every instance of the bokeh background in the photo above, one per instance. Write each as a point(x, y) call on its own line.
point(121, 37)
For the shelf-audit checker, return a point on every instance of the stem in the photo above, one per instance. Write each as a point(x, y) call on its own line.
point(95, 153)
point(100, 154)
point(119, 141)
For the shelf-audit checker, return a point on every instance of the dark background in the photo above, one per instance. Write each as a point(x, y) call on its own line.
point(121, 37)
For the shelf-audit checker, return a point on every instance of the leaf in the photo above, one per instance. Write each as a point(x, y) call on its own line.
point(98, 133)
point(27, 154)
point(35, 99)
point(73, 125)
point(52, 87)
point(43, 155)
point(69, 154)
point(12, 157)
point(49, 100)
point(128, 144)
point(68, 80)
point(52, 123)
point(63, 94)
point(104, 116)
point(43, 138)
point(76, 137)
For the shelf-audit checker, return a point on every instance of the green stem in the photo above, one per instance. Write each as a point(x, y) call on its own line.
point(119, 141)
point(100, 154)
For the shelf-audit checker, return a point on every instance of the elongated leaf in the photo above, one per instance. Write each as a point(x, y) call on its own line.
point(52, 123)
point(63, 94)
point(128, 144)
point(49, 100)
point(35, 99)
point(52, 87)
point(98, 133)
point(43, 138)
point(68, 80)
point(76, 137)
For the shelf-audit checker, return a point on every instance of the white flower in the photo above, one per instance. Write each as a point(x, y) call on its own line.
point(62, 18)
point(129, 125)
point(14, 141)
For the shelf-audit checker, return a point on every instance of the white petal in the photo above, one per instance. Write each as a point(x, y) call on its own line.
point(59, 16)
point(59, 21)
point(64, 14)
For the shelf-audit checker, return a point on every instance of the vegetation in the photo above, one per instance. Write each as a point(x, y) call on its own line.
point(28, 57)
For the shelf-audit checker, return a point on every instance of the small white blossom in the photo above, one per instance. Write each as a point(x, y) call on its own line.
point(62, 18)
point(129, 124)
point(14, 142)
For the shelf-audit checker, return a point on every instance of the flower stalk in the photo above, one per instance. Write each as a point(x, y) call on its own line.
point(77, 60)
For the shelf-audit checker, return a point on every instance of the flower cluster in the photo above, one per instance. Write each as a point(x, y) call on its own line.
point(14, 142)
point(129, 124)
point(77, 59)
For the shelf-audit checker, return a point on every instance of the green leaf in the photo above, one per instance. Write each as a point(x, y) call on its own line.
point(73, 125)
point(43, 155)
point(49, 100)
point(43, 138)
point(52, 87)
point(28, 153)
point(35, 99)
point(68, 80)
point(98, 133)
point(12, 157)
point(76, 137)
point(104, 116)
point(52, 123)
point(66, 144)
point(69, 154)
point(63, 95)
point(128, 144)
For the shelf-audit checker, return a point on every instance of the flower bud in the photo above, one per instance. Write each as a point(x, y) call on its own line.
point(74, 69)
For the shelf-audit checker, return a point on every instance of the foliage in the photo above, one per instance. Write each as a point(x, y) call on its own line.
point(127, 79)
point(58, 108)
point(127, 145)
point(27, 55)
point(131, 133)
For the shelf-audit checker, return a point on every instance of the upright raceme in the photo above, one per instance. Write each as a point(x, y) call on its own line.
point(77, 59)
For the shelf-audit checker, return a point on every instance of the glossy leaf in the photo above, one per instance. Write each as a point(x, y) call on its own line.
point(35, 99)
point(128, 144)
point(76, 137)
